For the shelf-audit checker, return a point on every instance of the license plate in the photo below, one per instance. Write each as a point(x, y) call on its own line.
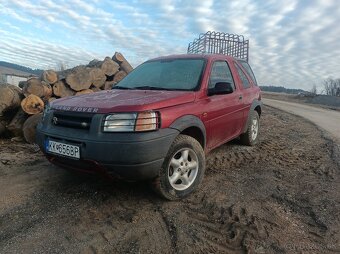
point(63, 149)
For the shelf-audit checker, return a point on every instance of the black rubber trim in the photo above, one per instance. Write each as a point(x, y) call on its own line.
point(254, 104)
point(188, 121)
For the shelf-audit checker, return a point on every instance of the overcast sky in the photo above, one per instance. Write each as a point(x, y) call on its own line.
point(292, 43)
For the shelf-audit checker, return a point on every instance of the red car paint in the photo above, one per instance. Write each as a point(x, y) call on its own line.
point(224, 116)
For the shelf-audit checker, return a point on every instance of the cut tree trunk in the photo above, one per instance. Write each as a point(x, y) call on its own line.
point(10, 98)
point(47, 90)
point(61, 89)
point(119, 76)
point(33, 86)
point(95, 63)
point(124, 64)
point(39, 88)
point(109, 84)
point(98, 77)
point(79, 79)
point(15, 126)
point(29, 128)
point(95, 89)
point(85, 91)
point(109, 67)
point(49, 76)
point(32, 104)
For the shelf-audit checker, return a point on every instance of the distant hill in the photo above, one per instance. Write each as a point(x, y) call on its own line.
point(281, 89)
point(20, 68)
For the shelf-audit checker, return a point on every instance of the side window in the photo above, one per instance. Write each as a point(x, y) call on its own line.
point(220, 72)
point(245, 81)
point(249, 71)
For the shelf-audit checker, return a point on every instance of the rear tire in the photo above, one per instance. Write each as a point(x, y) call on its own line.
point(251, 136)
point(182, 170)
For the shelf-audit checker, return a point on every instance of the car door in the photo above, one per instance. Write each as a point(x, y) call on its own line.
point(223, 111)
point(247, 90)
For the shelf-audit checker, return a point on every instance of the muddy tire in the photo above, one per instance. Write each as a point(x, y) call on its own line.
point(251, 136)
point(182, 170)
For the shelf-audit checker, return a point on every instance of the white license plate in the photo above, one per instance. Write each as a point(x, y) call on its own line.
point(63, 149)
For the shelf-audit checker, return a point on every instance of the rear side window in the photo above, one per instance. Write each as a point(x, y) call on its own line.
point(220, 72)
point(245, 81)
point(249, 71)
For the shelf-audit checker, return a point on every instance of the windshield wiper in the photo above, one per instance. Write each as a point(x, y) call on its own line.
point(153, 88)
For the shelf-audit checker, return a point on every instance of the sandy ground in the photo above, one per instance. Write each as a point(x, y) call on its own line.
point(281, 196)
point(326, 119)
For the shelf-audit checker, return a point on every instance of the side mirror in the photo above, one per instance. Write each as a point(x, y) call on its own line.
point(222, 88)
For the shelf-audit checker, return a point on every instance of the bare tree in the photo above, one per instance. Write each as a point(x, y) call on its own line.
point(61, 66)
point(332, 86)
point(314, 90)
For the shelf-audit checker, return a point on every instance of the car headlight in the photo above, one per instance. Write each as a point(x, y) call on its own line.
point(130, 122)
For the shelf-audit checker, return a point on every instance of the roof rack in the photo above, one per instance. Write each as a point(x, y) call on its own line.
point(220, 43)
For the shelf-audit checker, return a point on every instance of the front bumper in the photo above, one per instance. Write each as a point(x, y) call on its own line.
point(131, 156)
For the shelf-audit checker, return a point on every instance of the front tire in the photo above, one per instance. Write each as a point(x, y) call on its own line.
point(251, 136)
point(182, 170)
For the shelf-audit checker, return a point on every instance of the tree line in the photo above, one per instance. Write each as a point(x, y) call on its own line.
point(18, 67)
point(281, 89)
point(332, 86)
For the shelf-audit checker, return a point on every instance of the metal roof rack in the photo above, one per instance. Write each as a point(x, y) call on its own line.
point(220, 43)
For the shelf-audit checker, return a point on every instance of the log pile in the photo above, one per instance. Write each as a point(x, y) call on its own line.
point(21, 107)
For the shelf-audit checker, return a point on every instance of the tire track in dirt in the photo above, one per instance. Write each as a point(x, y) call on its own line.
point(277, 197)
point(274, 150)
point(125, 228)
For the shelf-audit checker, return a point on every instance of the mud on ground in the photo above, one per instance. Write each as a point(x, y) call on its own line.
point(279, 197)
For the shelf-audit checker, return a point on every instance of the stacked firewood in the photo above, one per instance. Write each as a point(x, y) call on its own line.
point(21, 108)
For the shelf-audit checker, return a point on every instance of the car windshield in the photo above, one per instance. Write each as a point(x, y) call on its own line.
point(169, 74)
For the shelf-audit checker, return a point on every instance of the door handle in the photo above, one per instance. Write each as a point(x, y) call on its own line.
point(240, 97)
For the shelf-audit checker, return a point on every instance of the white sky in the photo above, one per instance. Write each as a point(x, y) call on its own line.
point(292, 43)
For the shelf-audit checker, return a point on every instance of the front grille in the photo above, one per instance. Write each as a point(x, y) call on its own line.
point(72, 120)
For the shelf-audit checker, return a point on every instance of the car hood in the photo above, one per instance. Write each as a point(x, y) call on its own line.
point(123, 101)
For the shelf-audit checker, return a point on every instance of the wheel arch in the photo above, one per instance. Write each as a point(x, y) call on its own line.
point(192, 126)
point(257, 106)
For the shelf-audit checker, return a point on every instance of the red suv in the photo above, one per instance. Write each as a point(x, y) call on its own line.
point(158, 123)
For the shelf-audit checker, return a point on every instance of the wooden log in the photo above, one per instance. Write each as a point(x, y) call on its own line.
point(29, 127)
point(85, 91)
point(33, 86)
point(10, 98)
point(109, 67)
point(79, 79)
point(47, 90)
point(109, 84)
point(18, 90)
point(63, 74)
point(123, 63)
point(95, 63)
point(32, 104)
point(39, 88)
point(119, 76)
point(98, 77)
point(95, 89)
point(16, 125)
point(49, 76)
point(61, 89)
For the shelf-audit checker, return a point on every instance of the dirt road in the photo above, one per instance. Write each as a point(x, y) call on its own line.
point(281, 196)
point(327, 119)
